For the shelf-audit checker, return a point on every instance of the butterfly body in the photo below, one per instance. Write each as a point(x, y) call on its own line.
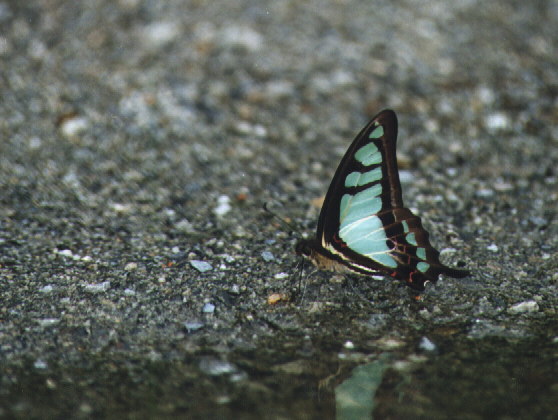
point(363, 226)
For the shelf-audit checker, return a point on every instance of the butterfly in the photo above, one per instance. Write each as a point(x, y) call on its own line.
point(363, 226)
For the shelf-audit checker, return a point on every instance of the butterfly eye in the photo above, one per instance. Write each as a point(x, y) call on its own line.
point(303, 248)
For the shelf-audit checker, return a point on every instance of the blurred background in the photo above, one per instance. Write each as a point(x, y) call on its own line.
point(139, 140)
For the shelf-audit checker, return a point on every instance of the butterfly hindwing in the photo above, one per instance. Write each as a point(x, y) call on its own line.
point(418, 260)
point(363, 223)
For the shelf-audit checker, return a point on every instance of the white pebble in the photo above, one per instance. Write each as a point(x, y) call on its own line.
point(47, 322)
point(120, 208)
point(66, 253)
point(192, 326)
point(46, 289)
point(242, 36)
point(208, 308)
point(74, 126)
point(158, 34)
point(523, 307)
point(426, 344)
point(97, 287)
point(349, 345)
point(497, 121)
point(223, 205)
point(216, 367)
point(267, 256)
point(40, 364)
point(484, 193)
point(279, 89)
point(201, 266)
point(131, 266)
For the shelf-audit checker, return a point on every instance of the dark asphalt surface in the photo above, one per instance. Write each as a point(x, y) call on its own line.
point(139, 141)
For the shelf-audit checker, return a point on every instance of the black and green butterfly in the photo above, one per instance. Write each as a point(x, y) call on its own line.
point(363, 226)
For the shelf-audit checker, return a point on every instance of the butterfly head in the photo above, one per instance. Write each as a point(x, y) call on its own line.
point(305, 248)
point(320, 257)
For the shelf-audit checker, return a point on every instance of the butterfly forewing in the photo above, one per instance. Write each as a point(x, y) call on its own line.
point(368, 163)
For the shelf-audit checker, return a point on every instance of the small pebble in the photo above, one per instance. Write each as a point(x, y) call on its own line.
point(66, 253)
point(85, 409)
point(492, 247)
point(279, 89)
point(275, 298)
point(389, 343)
point(208, 308)
point(523, 307)
point(497, 121)
point(377, 321)
point(349, 345)
point(223, 205)
point(267, 256)
point(201, 266)
point(538, 221)
point(426, 344)
point(216, 367)
point(157, 34)
point(97, 287)
point(192, 326)
point(242, 36)
point(243, 127)
point(40, 364)
point(50, 383)
point(35, 142)
point(120, 208)
point(502, 186)
point(74, 126)
point(130, 266)
point(47, 322)
point(484, 193)
point(46, 289)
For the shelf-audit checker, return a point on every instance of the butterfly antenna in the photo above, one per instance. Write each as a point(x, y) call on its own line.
point(282, 220)
point(301, 282)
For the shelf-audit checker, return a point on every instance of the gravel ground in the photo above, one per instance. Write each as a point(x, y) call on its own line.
point(140, 140)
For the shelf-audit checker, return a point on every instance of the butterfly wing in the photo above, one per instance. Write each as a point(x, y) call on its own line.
point(363, 222)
